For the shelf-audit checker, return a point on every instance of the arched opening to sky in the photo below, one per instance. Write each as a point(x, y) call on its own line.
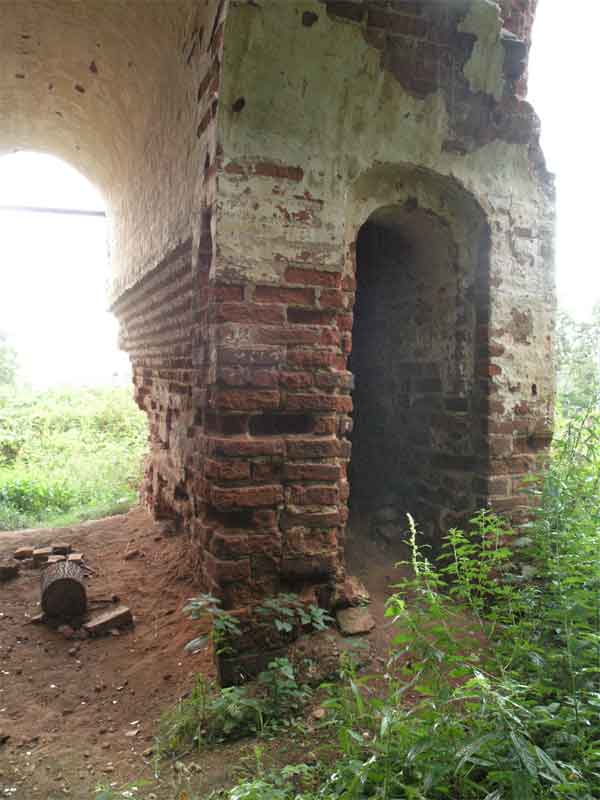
point(563, 72)
point(53, 282)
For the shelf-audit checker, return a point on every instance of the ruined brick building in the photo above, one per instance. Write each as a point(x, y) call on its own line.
point(331, 237)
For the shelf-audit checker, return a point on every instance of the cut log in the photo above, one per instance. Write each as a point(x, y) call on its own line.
point(63, 590)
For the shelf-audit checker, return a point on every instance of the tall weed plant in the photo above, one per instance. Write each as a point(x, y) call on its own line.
point(492, 687)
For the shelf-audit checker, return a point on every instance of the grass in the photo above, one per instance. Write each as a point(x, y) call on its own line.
point(68, 455)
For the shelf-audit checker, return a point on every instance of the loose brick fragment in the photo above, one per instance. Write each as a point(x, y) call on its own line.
point(355, 621)
point(23, 552)
point(41, 555)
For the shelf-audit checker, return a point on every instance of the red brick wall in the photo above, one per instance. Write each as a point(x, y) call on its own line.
point(243, 367)
point(155, 330)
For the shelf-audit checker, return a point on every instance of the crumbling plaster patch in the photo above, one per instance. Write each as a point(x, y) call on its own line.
point(338, 114)
point(350, 127)
point(485, 68)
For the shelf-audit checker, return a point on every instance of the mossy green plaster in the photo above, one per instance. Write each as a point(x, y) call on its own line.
point(485, 68)
point(318, 94)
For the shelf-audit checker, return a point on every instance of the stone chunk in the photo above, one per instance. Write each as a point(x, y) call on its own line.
point(41, 555)
point(77, 557)
point(352, 592)
point(119, 617)
point(23, 552)
point(355, 621)
point(61, 549)
point(9, 570)
point(56, 559)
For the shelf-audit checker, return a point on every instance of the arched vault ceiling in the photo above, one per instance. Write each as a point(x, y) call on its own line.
point(109, 87)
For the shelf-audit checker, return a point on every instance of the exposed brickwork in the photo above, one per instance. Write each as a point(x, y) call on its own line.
point(278, 342)
point(417, 396)
point(424, 46)
point(156, 326)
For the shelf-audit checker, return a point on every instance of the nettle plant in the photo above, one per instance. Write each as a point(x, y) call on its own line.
point(209, 715)
point(287, 612)
point(224, 626)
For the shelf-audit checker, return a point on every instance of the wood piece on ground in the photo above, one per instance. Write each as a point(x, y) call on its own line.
point(41, 555)
point(76, 557)
point(63, 591)
point(24, 552)
point(355, 621)
point(56, 559)
point(61, 549)
point(9, 570)
point(119, 617)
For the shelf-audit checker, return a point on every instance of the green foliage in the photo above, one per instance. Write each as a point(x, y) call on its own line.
point(282, 695)
point(8, 363)
point(492, 687)
point(33, 496)
point(578, 362)
point(287, 612)
point(209, 716)
point(224, 627)
point(67, 455)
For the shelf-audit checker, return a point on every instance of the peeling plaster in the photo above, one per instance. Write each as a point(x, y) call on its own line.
point(484, 70)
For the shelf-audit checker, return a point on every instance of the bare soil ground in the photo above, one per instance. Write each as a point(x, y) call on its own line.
point(78, 713)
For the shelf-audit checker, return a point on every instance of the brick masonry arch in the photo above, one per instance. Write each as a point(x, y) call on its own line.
point(419, 246)
point(239, 146)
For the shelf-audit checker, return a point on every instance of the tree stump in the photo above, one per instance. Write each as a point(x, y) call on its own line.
point(63, 591)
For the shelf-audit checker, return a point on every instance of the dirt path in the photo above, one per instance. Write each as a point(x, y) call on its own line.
point(81, 713)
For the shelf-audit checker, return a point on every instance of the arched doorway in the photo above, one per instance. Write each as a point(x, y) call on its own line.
point(417, 443)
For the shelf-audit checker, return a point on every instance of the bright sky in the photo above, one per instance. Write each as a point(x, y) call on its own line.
point(55, 268)
point(563, 89)
point(54, 276)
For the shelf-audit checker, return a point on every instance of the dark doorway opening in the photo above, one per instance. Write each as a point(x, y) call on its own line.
point(413, 443)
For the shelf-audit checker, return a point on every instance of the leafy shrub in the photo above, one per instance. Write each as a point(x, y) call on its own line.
point(32, 496)
point(224, 627)
point(287, 612)
point(8, 362)
point(67, 455)
point(492, 687)
point(209, 716)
